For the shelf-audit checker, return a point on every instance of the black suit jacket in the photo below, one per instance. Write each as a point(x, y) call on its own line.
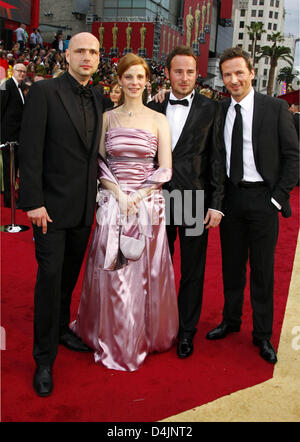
point(296, 122)
point(275, 147)
point(57, 168)
point(199, 155)
point(11, 111)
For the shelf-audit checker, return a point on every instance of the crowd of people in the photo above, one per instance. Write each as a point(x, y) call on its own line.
point(242, 154)
point(44, 60)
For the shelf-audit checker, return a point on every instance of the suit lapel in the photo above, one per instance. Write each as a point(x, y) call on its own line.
point(68, 99)
point(98, 120)
point(16, 91)
point(226, 104)
point(258, 115)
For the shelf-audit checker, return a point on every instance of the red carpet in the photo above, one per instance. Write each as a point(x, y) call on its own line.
point(165, 385)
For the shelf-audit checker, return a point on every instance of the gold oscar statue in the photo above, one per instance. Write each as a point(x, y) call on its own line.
point(143, 32)
point(128, 35)
point(197, 22)
point(203, 16)
point(164, 41)
point(115, 31)
point(189, 26)
point(208, 12)
point(101, 31)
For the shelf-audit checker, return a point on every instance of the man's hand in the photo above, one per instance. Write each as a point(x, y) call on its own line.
point(212, 219)
point(40, 218)
point(160, 96)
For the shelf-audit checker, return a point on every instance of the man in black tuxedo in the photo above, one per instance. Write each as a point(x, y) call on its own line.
point(198, 165)
point(58, 174)
point(262, 168)
point(12, 103)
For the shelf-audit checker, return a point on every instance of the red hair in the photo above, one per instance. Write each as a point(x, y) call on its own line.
point(132, 60)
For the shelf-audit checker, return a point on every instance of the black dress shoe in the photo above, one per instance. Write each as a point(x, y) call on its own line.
point(222, 331)
point(185, 347)
point(267, 351)
point(73, 342)
point(42, 380)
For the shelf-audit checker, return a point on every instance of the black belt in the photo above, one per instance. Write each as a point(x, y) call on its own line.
point(251, 184)
point(248, 184)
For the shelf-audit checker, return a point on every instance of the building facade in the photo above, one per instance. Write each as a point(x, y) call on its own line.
point(271, 14)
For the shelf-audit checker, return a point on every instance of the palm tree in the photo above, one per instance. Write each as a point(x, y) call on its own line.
point(287, 74)
point(275, 52)
point(255, 30)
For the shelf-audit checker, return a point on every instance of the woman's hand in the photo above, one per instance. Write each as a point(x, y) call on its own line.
point(127, 204)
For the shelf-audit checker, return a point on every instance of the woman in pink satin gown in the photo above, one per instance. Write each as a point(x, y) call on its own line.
point(128, 305)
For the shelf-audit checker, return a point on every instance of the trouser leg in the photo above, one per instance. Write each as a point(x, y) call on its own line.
point(76, 243)
point(263, 234)
point(49, 254)
point(193, 257)
point(234, 246)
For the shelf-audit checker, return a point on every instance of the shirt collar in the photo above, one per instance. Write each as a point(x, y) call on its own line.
point(246, 102)
point(75, 84)
point(16, 83)
point(188, 97)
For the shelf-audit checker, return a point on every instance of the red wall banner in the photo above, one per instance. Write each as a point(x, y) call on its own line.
point(35, 13)
point(226, 9)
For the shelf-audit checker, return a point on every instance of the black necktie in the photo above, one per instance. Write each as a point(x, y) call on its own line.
point(183, 102)
point(236, 157)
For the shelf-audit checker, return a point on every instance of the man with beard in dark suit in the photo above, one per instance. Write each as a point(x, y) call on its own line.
point(198, 165)
point(12, 103)
point(58, 173)
point(262, 164)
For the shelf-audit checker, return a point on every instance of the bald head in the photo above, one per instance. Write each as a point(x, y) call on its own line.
point(83, 56)
point(82, 38)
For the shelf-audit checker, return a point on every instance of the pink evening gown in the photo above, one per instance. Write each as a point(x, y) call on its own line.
point(128, 308)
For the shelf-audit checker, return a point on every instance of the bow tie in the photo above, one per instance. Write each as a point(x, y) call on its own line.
point(19, 86)
point(182, 102)
point(84, 91)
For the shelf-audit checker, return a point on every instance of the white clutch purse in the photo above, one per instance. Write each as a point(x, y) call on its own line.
point(132, 248)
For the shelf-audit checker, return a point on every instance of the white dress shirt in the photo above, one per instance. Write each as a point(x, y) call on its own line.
point(247, 104)
point(250, 171)
point(177, 115)
point(19, 89)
